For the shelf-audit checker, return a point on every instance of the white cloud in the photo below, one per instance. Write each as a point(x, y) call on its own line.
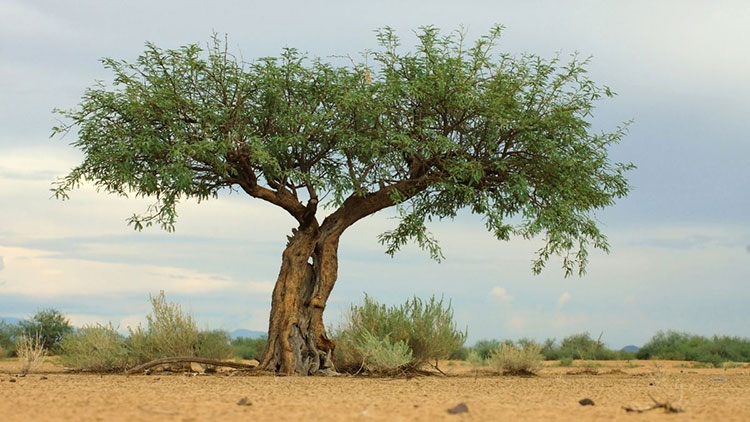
point(563, 299)
point(501, 293)
point(43, 274)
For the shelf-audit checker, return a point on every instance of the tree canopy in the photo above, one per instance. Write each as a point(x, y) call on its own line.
point(449, 126)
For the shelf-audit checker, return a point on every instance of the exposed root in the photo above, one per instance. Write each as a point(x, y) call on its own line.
point(164, 361)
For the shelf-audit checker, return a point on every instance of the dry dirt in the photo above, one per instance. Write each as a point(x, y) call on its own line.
point(52, 394)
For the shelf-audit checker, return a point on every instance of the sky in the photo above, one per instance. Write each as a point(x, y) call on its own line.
point(680, 242)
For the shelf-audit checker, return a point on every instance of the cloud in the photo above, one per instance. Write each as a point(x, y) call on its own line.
point(563, 299)
point(2, 264)
point(44, 274)
point(501, 293)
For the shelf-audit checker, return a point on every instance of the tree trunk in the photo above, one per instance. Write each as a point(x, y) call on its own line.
point(297, 340)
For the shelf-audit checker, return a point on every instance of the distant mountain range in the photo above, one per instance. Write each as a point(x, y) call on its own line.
point(247, 333)
point(631, 348)
point(11, 320)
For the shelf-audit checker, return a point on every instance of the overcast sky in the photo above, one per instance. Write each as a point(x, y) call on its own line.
point(680, 242)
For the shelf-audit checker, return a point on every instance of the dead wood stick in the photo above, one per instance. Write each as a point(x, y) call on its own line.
point(667, 406)
point(164, 361)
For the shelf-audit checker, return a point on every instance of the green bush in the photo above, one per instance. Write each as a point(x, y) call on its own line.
point(426, 327)
point(381, 355)
point(8, 335)
point(170, 331)
point(462, 353)
point(672, 345)
point(484, 348)
point(249, 348)
point(522, 359)
point(214, 345)
point(51, 325)
point(96, 348)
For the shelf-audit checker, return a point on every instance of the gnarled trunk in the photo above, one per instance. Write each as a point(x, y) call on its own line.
point(297, 340)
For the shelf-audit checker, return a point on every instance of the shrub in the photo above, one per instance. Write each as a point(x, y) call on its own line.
point(51, 325)
point(30, 351)
point(426, 327)
point(484, 348)
point(97, 348)
point(249, 348)
point(214, 345)
point(674, 345)
point(462, 353)
point(8, 335)
point(514, 359)
point(381, 355)
point(170, 332)
point(566, 361)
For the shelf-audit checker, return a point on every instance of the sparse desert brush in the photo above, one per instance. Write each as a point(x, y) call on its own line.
point(513, 359)
point(96, 348)
point(30, 351)
point(170, 331)
point(425, 327)
point(381, 355)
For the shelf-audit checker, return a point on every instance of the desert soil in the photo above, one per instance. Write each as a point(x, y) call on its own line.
point(53, 394)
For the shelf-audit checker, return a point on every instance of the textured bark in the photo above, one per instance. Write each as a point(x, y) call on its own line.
point(297, 339)
point(297, 342)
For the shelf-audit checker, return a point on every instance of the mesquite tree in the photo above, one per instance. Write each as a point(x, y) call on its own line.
point(443, 128)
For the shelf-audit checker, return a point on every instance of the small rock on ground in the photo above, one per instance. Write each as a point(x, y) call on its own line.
point(459, 408)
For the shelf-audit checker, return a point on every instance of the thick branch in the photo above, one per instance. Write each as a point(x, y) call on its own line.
point(188, 359)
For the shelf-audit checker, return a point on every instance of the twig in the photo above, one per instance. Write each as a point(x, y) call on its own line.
point(667, 406)
point(438, 369)
point(164, 361)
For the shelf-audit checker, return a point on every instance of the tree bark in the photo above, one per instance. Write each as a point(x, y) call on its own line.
point(297, 341)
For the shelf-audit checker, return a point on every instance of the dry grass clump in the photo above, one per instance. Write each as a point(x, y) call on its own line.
point(30, 351)
point(170, 331)
point(512, 359)
point(96, 348)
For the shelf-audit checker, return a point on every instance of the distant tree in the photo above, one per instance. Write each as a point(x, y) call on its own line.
point(444, 128)
point(8, 335)
point(50, 324)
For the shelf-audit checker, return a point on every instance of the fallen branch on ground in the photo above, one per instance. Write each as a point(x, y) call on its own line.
point(667, 406)
point(164, 361)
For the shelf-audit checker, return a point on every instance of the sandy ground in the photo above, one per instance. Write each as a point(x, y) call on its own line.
point(51, 394)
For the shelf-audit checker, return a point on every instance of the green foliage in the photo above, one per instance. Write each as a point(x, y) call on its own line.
point(381, 355)
point(674, 345)
point(450, 125)
point(8, 335)
point(484, 348)
point(51, 325)
point(170, 331)
point(214, 345)
point(249, 348)
point(462, 353)
point(517, 359)
point(97, 348)
point(566, 361)
point(426, 327)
